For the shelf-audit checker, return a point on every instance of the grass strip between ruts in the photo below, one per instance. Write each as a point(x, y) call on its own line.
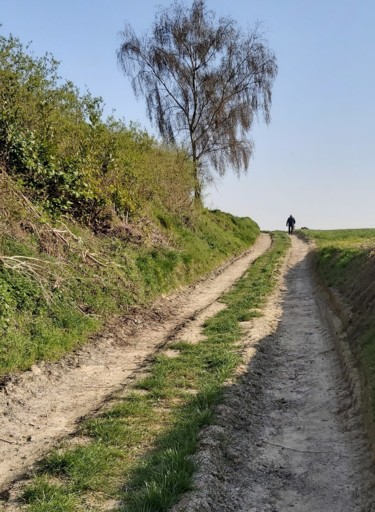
point(135, 455)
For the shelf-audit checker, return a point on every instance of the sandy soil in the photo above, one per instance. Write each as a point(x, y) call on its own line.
point(288, 436)
point(39, 407)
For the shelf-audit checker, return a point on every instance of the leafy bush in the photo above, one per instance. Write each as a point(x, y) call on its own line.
point(55, 141)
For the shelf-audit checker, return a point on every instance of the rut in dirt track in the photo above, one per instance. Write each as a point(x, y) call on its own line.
point(287, 437)
point(39, 407)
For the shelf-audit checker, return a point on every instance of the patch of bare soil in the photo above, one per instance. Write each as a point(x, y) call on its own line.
point(288, 436)
point(41, 406)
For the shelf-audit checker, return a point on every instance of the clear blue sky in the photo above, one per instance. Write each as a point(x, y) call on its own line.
point(316, 158)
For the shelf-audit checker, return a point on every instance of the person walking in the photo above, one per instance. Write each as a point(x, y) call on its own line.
point(290, 223)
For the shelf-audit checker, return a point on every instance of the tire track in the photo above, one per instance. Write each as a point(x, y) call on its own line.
point(287, 437)
point(41, 406)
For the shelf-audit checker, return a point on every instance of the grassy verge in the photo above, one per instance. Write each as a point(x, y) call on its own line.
point(345, 261)
point(135, 456)
point(59, 283)
point(341, 254)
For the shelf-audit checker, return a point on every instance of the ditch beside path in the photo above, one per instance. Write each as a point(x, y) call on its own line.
point(41, 406)
point(287, 437)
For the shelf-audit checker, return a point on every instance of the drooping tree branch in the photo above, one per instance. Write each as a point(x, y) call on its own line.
point(205, 81)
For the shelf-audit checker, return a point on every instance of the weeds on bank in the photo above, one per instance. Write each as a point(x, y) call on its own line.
point(47, 314)
point(345, 261)
point(341, 253)
point(136, 455)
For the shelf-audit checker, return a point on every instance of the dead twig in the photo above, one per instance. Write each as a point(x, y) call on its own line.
point(33, 268)
point(6, 441)
point(91, 257)
point(65, 235)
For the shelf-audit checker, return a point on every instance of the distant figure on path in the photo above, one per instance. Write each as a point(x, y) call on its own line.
point(290, 223)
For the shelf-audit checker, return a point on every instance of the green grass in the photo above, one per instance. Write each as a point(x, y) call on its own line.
point(341, 253)
point(345, 261)
point(47, 497)
point(342, 236)
point(138, 451)
point(47, 313)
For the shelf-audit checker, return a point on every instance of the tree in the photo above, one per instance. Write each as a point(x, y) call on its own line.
point(205, 81)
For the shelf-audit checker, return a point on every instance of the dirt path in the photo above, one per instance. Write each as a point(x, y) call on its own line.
point(41, 406)
point(286, 437)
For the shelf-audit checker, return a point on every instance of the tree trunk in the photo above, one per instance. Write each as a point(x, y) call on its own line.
point(197, 185)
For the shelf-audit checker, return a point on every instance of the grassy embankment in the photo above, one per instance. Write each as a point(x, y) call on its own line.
point(137, 452)
point(54, 294)
point(345, 261)
point(95, 215)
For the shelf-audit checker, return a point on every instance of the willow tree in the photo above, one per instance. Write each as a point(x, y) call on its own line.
point(205, 81)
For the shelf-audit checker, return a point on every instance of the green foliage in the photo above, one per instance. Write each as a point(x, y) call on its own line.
point(54, 140)
point(6, 306)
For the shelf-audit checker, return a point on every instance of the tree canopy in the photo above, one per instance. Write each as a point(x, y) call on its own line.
point(205, 81)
